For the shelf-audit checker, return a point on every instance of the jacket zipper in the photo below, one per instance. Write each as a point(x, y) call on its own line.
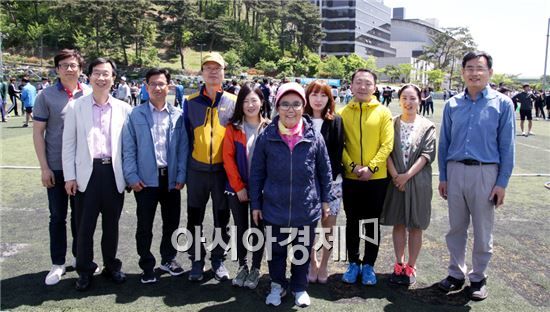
point(290, 204)
point(211, 134)
point(361, 132)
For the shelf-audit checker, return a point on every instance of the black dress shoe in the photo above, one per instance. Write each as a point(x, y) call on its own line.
point(117, 276)
point(451, 284)
point(84, 282)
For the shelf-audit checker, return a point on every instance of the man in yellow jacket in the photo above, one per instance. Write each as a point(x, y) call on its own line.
point(368, 138)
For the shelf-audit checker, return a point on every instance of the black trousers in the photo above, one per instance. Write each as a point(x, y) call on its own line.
point(363, 200)
point(170, 208)
point(241, 215)
point(205, 184)
point(58, 203)
point(101, 196)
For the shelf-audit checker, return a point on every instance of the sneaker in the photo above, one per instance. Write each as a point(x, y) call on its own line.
point(197, 269)
point(172, 267)
point(274, 297)
point(398, 272)
point(220, 272)
point(351, 274)
point(301, 299)
point(148, 277)
point(478, 290)
point(242, 274)
point(252, 279)
point(451, 284)
point(531, 133)
point(55, 274)
point(523, 134)
point(368, 277)
point(25, 125)
point(410, 275)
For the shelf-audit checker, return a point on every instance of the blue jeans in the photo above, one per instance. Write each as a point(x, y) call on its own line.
point(58, 202)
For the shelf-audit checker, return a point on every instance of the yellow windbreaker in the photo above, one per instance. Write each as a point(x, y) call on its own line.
point(368, 137)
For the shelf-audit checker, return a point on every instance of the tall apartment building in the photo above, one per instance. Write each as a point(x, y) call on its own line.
point(362, 27)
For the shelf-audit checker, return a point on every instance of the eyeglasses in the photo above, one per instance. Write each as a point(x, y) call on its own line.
point(212, 68)
point(286, 106)
point(155, 85)
point(101, 74)
point(66, 66)
point(475, 69)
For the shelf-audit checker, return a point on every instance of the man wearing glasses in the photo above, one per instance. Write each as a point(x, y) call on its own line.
point(155, 150)
point(476, 158)
point(368, 139)
point(49, 114)
point(92, 165)
point(206, 113)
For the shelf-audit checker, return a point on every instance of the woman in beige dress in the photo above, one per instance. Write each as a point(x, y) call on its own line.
point(407, 205)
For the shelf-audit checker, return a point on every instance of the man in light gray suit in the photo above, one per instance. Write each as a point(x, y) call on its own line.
point(92, 165)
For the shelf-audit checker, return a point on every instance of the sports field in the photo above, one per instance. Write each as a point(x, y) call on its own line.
point(519, 278)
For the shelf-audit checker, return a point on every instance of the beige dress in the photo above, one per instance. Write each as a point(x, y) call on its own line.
point(412, 207)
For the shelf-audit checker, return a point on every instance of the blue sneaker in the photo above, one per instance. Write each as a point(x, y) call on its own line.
point(368, 277)
point(353, 271)
point(197, 269)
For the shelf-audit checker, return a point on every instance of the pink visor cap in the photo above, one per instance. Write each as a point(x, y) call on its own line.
point(290, 87)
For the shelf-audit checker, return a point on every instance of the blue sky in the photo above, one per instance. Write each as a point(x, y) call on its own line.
point(513, 32)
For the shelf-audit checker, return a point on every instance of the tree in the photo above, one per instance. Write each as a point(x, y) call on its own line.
point(405, 72)
point(435, 77)
point(393, 72)
point(232, 59)
point(332, 67)
point(353, 62)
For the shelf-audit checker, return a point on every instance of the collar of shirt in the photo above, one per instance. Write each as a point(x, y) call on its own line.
point(108, 104)
point(153, 108)
point(61, 87)
point(485, 93)
point(220, 90)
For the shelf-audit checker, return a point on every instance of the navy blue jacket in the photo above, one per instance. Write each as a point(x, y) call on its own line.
point(289, 187)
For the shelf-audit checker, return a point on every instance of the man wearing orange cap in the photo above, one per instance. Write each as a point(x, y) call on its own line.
point(206, 113)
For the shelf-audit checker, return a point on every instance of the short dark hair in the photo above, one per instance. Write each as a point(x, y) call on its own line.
point(476, 54)
point(25, 79)
point(99, 61)
point(67, 53)
point(239, 109)
point(364, 70)
point(157, 71)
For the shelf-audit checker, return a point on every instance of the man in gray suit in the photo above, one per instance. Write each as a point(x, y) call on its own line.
point(92, 165)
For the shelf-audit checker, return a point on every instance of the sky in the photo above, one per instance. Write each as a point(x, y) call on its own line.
point(512, 32)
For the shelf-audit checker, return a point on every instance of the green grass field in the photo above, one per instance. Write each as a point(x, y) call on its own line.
point(519, 279)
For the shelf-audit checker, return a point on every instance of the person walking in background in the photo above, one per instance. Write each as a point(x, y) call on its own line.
point(3, 98)
point(320, 106)
point(13, 92)
point(525, 99)
point(28, 96)
point(407, 206)
point(123, 91)
point(143, 94)
point(178, 100)
point(238, 147)
point(476, 157)
point(290, 189)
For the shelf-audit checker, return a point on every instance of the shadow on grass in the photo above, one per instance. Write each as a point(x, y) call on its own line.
point(29, 290)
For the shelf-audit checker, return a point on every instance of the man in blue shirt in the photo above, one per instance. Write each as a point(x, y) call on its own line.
point(179, 94)
point(476, 158)
point(155, 150)
point(144, 95)
point(28, 95)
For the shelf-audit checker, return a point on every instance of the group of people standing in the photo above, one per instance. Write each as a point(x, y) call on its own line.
point(276, 177)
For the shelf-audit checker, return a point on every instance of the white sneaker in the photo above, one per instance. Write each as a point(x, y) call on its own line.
point(274, 297)
point(523, 134)
point(531, 133)
point(55, 274)
point(301, 299)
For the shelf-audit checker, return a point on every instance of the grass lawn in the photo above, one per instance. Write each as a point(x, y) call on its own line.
point(519, 279)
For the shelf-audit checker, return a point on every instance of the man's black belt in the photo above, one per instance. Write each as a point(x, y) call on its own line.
point(473, 162)
point(103, 161)
point(163, 172)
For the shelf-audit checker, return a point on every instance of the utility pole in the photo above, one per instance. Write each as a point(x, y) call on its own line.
point(201, 45)
point(545, 57)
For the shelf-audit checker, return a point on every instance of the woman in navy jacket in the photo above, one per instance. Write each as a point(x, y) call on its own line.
point(290, 183)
